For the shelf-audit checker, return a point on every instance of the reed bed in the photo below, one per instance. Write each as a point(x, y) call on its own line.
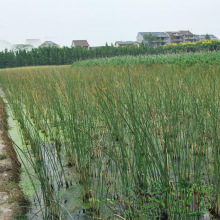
point(140, 141)
point(181, 59)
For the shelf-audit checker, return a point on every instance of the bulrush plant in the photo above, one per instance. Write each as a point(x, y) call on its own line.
point(140, 139)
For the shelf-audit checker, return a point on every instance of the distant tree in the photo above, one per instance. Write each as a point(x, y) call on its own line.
point(150, 40)
point(59, 56)
point(207, 37)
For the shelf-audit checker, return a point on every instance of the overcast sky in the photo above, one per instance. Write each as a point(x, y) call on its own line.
point(101, 21)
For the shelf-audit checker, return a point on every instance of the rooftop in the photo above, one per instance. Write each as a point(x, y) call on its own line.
point(49, 44)
point(82, 43)
point(186, 32)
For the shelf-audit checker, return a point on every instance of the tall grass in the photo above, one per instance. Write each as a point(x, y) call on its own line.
point(187, 59)
point(142, 141)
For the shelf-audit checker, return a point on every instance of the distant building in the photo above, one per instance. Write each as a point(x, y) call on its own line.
point(20, 47)
point(203, 37)
point(49, 44)
point(188, 36)
point(80, 43)
point(5, 45)
point(126, 43)
point(34, 42)
point(212, 37)
point(161, 38)
point(175, 36)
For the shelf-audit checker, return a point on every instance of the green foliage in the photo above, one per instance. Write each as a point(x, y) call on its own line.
point(142, 133)
point(187, 59)
point(150, 40)
point(150, 37)
point(207, 37)
point(66, 55)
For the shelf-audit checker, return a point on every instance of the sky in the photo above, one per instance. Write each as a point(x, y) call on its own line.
point(101, 21)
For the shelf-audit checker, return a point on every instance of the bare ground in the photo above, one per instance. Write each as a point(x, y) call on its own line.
point(12, 201)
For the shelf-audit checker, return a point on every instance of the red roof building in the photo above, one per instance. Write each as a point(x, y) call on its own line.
point(81, 43)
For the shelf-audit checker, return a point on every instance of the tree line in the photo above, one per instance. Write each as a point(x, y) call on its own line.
point(66, 55)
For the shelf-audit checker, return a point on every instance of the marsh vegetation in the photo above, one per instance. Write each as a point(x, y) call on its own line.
point(127, 140)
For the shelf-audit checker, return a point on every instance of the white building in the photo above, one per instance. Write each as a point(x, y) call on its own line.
point(5, 45)
point(161, 38)
point(34, 42)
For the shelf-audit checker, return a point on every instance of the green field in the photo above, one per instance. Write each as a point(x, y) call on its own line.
point(121, 138)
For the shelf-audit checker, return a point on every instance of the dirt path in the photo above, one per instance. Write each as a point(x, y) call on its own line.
point(11, 198)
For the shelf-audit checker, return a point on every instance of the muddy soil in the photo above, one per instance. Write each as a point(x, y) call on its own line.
point(12, 202)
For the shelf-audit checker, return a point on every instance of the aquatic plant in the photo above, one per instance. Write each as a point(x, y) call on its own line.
point(140, 135)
